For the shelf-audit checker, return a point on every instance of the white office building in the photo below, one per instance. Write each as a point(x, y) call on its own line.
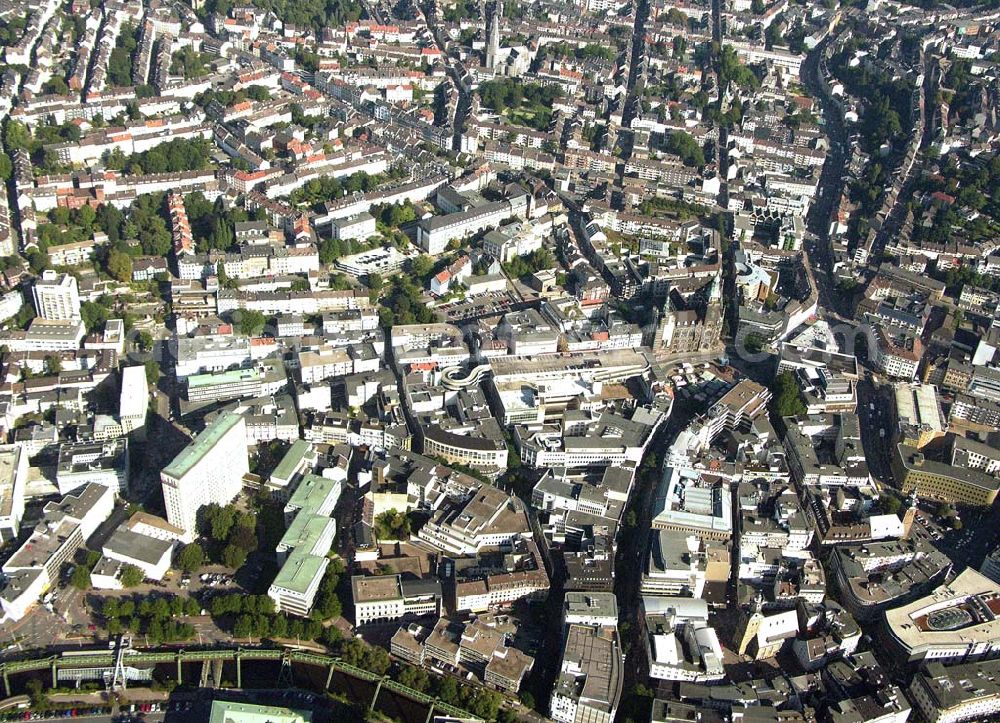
point(202, 354)
point(56, 296)
point(83, 463)
point(210, 469)
point(134, 399)
point(354, 228)
point(13, 478)
point(384, 598)
point(149, 554)
point(64, 528)
point(589, 682)
point(302, 552)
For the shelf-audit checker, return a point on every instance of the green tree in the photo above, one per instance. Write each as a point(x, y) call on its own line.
point(188, 63)
point(132, 576)
point(684, 145)
point(355, 652)
point(787, 402)
point(447, 690)
point(85, 216)
point(120, 68)
point(146, 222)
point(481, 702)
point(889, 503)
point(120, 265)
point(731, 70)
point(679, 45)
point(327, 603)
point(329, 251)
point(52, 365)
point(110, 220)
point(109, 608)
point(243, 627)
point(403, 304)
point(251, 322)
point(144, 341)
point(16, 136)
point(234, 556)
point(530, 263)
point(396, 214)
point(24, 316)
point(258, 93)
point(191, 558)
point(181, 154)
point(36, 693)
point(531, 102)
point(94, 315)
point(279, 627)
point(38, 261)
point(222, 234)
point(80, 578)
point(152, 372)
point(375, 283)
point(754, 343)
point(244, 535)
point(218, 521)
point(392, 525)
point(415, 678)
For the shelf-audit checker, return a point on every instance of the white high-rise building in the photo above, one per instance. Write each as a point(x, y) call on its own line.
point(56, 296)
point(210, 469)
point(134, 398)
point(13, 479)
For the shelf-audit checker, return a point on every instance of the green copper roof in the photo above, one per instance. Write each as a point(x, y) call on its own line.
point(304, 533)
point(292, 459)
point(201, 445)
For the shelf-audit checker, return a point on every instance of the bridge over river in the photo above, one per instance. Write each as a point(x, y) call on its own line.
point(237, 667)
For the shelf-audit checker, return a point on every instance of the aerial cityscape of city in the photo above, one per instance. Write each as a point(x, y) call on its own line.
point(589, 361)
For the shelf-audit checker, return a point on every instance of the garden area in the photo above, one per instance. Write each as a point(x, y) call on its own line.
point(527, 104)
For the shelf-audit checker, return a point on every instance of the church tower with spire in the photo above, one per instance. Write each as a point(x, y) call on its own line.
point(493, 33)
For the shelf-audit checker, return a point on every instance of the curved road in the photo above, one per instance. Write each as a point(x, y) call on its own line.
point(831, 182)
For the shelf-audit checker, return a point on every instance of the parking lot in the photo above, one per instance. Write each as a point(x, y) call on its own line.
point(490, 304)
point(968, 546)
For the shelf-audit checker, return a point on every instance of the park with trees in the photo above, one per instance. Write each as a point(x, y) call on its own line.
point(528, 104)
point(230, 534)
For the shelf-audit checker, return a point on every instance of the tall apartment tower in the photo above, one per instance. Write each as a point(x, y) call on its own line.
point(210, 469)
point(493, 33)
point(134, 398)
point(56, 296)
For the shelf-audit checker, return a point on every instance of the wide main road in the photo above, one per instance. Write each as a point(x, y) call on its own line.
point(630, 559)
